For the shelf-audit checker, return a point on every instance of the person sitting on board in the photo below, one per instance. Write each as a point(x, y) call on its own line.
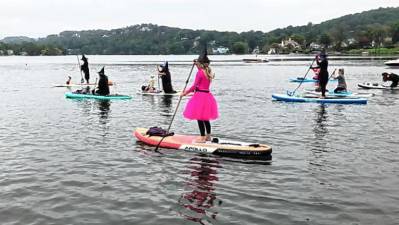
point(202, 105)
point(391, 77)
point(68, 82)
point(103, 88)
point(85, 68)
point(322, 63)
point(341, 87)
point(164, 73)
point(150, 87)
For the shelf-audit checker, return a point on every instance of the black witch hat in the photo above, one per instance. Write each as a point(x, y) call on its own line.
point(83, 58)
point(165, 66)
point(203, 57)
point(101, 72)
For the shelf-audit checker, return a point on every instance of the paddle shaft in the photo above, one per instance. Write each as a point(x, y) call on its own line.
point(310, 67)
point(159, 86)
point(177, 106)
point(80, 69)
point(332, 74)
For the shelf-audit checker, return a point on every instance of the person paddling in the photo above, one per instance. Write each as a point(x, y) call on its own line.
point(202, 105)
point(85, 68)
point(391, 77)
point(341, 87)
point(150, 87)
point(322, 63)
point(103, 88)
point(164, 73)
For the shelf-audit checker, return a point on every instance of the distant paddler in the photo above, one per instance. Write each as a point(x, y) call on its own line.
point(322, 64)
point(85, 68)
point(103, 88)
point(394, 78)
point(164, 73)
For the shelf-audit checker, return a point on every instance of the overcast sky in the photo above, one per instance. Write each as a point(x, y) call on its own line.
point(39, 18)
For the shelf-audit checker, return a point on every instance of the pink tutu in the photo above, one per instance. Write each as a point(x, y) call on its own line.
point(201, 106)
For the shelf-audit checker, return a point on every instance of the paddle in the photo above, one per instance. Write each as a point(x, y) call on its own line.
point(159, 86)
point(332, 74)
point(80, 69)
point(293, 92)
point(177, 106)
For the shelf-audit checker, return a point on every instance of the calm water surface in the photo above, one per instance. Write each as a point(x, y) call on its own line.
point(76, 162)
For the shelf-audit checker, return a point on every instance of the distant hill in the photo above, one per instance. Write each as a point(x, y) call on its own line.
point(17, 40)
point(379, 27)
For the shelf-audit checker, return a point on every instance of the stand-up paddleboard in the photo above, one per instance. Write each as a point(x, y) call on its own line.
point(219, 147)
point(316, 99)
point(306, 80)
point(101, 97)
point(368, 85)
point(110, 83)
point(341, 94)
point(158, 93)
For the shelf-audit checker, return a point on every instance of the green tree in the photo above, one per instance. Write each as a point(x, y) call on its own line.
point(395, 33)
point(240, 48)
point(325, 40)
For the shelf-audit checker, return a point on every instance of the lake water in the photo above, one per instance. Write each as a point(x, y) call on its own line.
point(76, 162)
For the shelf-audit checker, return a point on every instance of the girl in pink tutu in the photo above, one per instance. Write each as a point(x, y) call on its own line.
point(202, 105)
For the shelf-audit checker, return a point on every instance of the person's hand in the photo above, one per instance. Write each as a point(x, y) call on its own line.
point(182, 94)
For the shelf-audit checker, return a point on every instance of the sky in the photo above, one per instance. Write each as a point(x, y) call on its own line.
point(39, 18)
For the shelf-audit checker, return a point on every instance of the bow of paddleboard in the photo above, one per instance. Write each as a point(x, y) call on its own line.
point(222, 147)
point(316, 99)
point(158, 93)
point(100, 97)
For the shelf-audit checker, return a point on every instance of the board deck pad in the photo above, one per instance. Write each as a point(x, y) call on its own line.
point(188, 143)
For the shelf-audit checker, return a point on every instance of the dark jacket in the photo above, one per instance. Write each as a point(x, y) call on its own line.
point(166, 80)
point(322, 63)
point(85, 69)
point(103, 88)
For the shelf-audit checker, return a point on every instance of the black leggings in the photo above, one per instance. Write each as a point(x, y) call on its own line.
point(204, 124)
point(323, 85)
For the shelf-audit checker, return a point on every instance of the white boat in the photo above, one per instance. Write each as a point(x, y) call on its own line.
point(392, 62)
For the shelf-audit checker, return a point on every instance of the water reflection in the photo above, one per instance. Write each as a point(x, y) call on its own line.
point(199, 199)
point(104, 108)
point(320, 128)
point(166, 105)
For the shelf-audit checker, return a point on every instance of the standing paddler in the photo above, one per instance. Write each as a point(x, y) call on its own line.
point(202, 105)
point(85, 68)
point(322, 64)
point(164, 73)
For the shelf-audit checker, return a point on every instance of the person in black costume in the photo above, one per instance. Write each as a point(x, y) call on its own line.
point(391, 77)
point(103, 88)
point(85, 68)
point(164, 72)
point(322, 63)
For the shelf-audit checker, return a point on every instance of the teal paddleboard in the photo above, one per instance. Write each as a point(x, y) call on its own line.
point(101, 97)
